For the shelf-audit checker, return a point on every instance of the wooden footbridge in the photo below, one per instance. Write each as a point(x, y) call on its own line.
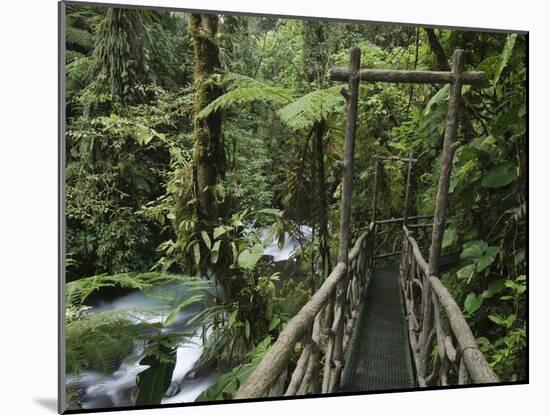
point(369, 327)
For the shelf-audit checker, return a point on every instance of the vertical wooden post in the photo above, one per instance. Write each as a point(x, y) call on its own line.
point(407, 191)
point(449, 147)
point(349, 149)
point(374, 205)
point(334, 361)
point(375, 191)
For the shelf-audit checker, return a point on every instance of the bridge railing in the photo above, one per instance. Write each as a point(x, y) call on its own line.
point(434, 318)
point(388, 234)
point(319, 332)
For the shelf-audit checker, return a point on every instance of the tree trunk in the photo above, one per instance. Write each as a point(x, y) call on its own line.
point(437, 50)
point(209, 153)
point(442, 64)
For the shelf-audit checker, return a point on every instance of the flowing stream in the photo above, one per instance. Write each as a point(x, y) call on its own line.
point(118, 389)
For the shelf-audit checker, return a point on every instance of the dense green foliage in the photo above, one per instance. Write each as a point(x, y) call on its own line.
point(140, 123)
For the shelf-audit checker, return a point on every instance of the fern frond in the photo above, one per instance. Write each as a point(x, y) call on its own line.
point(247, 90)
point(77, 291)
point(79, 37)
point(99, 341)
point(312, 108)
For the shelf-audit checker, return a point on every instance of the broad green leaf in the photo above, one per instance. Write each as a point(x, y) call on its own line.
point(237, 223)
point(465, 273)
point(495, 318)
point(153, 382)
point(274, 323)
point(449, 238)
point(505, 55)
point(472, 303)
point(484, 262)
point(473, 250)
point(142, 134)
point(206, 239)
point(219, 231)
point(440, 96)
point(215, 253)
point(233, 318)
point(520, 257)
point(494, 288)
point(510, 320)
point(197, 253)
point(250, 257)
point(483, 343)
point(500, 176)
point(485, 144)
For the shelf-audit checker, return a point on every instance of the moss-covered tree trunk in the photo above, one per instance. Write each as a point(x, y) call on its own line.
point(209, 165)
point(209, 152)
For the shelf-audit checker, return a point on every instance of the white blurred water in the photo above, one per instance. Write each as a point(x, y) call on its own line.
point(290, 246)
point(118, 389)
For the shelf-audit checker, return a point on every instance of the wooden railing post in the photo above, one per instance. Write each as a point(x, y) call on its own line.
point(375, 191)
point(449, 147)
point(334, 357)
point(374, 205)
point(349, 150)
point(407, 191)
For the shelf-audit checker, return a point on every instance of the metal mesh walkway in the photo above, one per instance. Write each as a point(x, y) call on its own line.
point(379, 357)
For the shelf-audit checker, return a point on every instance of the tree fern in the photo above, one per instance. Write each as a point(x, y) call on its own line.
point(312, 108)
point(298, 113)
point(103, 340)
point(99, 341)
point(78, 291)
point(244, 90)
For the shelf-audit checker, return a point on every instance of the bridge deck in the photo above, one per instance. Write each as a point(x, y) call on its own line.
point(379, 356)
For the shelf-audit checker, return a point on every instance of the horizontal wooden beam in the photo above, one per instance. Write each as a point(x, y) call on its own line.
point(394, 158)
point(386, 221)
point(414, 77)
point(395, 220)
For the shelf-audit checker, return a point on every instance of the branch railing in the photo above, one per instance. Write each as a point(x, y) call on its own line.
point(320, 332)
point(436, 323)
point(388, 236)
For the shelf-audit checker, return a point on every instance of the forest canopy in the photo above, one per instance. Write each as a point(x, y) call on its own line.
point(195, 142)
